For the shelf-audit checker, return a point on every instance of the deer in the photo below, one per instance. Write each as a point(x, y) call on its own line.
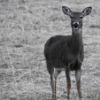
point(66, 52)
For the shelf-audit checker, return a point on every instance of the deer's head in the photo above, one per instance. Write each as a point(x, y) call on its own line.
point(76, 17)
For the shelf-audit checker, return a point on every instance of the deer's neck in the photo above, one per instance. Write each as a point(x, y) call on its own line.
point(76, 41)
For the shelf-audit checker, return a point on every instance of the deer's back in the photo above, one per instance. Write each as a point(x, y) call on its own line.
point(56, 42)
point(57, 49)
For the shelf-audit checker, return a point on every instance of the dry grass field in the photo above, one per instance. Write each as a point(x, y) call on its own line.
point(25, 26)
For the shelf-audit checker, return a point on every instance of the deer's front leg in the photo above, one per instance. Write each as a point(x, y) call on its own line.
point(78, 82)
point(68, 83)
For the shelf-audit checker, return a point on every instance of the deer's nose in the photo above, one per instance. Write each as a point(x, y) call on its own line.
point(76, 24)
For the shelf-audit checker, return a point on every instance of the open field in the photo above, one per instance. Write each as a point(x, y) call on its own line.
point(25, 26)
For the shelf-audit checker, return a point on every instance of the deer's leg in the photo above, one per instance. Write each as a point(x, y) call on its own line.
point(53, 86)
point(53, 83)
point(78, 82)
point(68, 83)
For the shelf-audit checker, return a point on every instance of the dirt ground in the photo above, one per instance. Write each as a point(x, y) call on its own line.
point(25, 26)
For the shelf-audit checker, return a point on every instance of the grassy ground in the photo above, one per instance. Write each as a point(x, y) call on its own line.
point(25, 25)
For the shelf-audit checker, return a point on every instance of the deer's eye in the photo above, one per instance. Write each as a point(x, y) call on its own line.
point(81, 17)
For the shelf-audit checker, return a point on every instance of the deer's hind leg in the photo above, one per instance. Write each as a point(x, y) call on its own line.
point(53, 78)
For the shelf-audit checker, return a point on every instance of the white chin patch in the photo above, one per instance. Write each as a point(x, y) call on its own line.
point(76, 29)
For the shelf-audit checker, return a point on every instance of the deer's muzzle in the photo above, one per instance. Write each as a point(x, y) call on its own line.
point(76, 25)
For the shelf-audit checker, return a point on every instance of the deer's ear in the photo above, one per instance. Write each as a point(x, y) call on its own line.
point(86, 11)
point(66, 10)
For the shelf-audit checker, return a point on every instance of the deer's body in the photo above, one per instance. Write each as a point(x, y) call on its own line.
point(66, 52)
point(55, 52)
